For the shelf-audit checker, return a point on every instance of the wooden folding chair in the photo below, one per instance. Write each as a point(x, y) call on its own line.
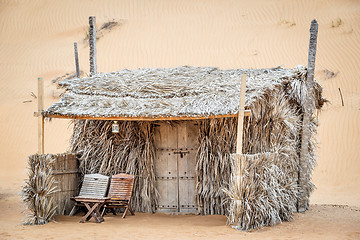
point(92, 195)
point(120, 192)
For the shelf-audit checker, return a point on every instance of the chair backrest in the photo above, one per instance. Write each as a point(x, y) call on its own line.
point(121, 187)
point(94, 185)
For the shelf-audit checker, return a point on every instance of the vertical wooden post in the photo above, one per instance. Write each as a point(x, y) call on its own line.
point(239, 157)
point(92, 44)
point(304, 171)
point(40, 116)
point(76, 60)
point(239, 138)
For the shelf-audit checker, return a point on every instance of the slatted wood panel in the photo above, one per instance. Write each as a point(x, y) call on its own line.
point(66, 174)
point(95, 185)
point(175, 166)
point(121, 187)
point(166, 167)
point(187, 142)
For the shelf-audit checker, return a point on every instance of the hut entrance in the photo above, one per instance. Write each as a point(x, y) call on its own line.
point(175, 161)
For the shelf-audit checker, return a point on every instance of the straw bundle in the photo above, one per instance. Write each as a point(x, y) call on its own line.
point(263, 188)
point(259, 191)
point(130, 151)
point(213, 169)
point(273, 126)
point(38, 191)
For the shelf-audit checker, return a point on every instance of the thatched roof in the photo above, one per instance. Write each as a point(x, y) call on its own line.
point(172, 92)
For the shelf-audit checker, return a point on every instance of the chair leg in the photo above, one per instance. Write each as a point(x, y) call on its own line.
point(93, 211)
point(103, 211)
point(131, 211)
point(125, 212)
point(97, 213)
point(74, 210)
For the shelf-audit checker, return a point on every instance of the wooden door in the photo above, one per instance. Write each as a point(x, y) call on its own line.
point(176, 147)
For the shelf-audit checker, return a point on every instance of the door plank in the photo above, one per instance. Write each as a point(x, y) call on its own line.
point(166, 168)
point(187, 142)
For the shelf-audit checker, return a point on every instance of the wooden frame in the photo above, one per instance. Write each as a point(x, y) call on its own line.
point(303, 172)
point(93, 206)
point(122, 118)
point(41, 121)
point(94, 187)
point(120, 192)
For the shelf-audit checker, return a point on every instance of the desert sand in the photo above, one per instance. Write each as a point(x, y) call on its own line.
point(37, 41)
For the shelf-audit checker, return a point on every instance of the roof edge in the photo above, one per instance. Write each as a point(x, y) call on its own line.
point(160, 118)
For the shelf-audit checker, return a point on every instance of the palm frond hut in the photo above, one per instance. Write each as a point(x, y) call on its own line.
point(178, 128)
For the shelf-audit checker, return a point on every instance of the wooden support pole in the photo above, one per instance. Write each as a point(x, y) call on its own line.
point(304, 171)
point(40, 117)
point(239, 138)
point(92, 44)
point(239, 157)
point(76, 60)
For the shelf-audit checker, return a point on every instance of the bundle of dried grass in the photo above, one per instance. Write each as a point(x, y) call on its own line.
point(130, 151)
point(39, 189)
point(263, 188)
point(260, 192)
point(274, 126)
point(298, 94)
point(213, 168)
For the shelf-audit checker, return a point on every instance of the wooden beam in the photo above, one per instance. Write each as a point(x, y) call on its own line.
point(92, 44)
point(304, 172)
point(40, 117)
point(240, 127)
point(122, 118)
point(239, 157)
point(76, 60)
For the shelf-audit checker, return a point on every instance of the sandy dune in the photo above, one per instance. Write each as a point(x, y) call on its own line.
point(37, 41)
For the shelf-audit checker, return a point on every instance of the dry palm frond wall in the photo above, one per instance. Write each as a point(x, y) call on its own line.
point(260, 191)
point(131, 150)
point(38, 190)
point(274, 126)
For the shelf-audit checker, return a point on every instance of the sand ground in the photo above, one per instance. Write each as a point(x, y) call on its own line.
point(37, 41)
point(320, 222)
